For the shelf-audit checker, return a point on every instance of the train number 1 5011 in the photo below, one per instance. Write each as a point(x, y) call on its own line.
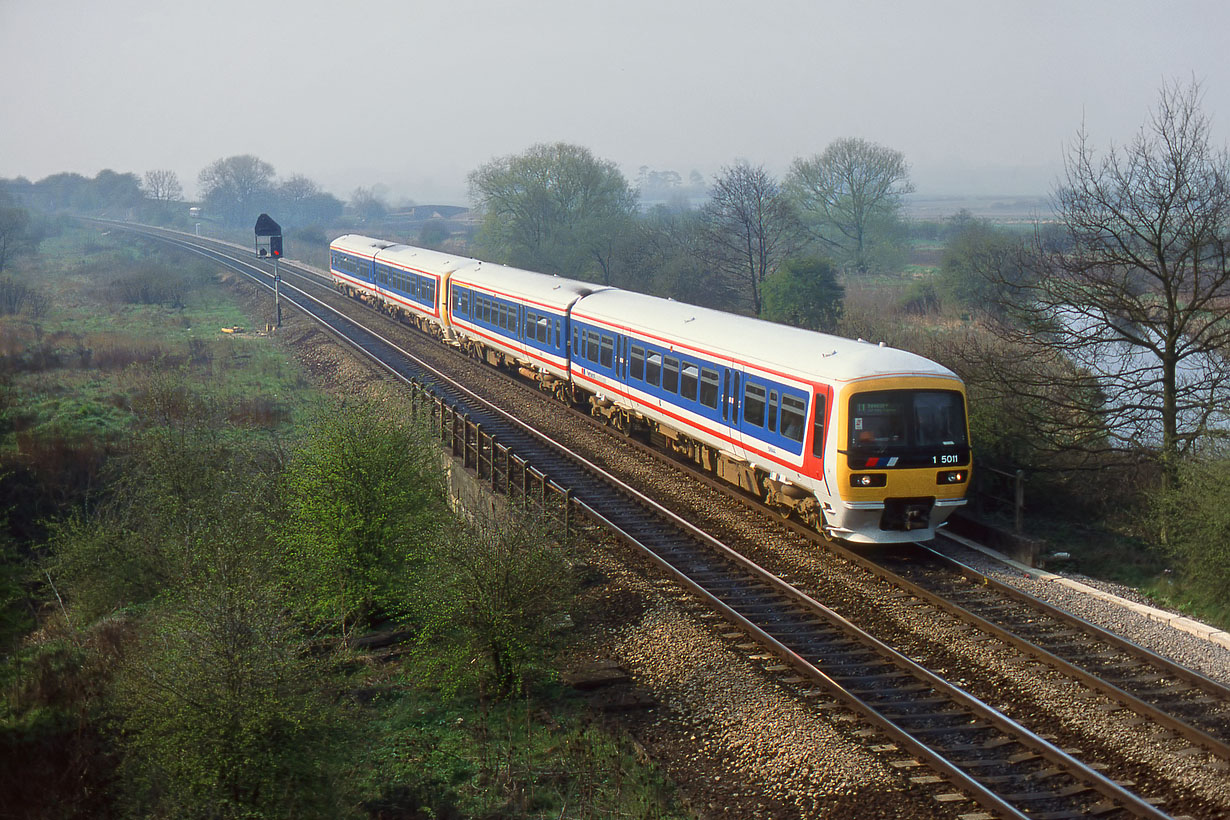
point(945, 459)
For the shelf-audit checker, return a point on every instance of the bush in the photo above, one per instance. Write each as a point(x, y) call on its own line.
point(1195, 517)
point(223, 717)
point(366, 504)
point(804, 293)
point(501, 586)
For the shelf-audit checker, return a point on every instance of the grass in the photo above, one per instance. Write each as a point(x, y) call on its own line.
point(466, 758)
point(73, 381)
point(74, 371)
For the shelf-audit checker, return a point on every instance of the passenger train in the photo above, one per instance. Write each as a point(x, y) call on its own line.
point(865, 443)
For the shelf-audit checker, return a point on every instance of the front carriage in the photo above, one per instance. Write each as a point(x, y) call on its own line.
point(865, 441)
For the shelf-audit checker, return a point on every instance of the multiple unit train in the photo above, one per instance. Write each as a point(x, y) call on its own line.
point(866, 443)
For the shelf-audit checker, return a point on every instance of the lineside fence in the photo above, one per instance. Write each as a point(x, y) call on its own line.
point(491, 461)
point(999, 490)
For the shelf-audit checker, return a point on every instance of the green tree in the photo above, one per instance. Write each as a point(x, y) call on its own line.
point(750, 228)
point(850, 197)
point(556, 209)
point(804, 293)
point(366, 501)
point(979, 263)
point(236, 188)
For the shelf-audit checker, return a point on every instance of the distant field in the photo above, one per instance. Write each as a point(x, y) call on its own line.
point(1005, 209)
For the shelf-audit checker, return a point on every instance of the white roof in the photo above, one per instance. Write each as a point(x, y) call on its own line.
point(791, 350)
point(361, 245)
point(553, 292)
point(425, 261)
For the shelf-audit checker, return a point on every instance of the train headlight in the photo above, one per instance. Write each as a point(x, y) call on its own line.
point(868, 479)
point(952, 477)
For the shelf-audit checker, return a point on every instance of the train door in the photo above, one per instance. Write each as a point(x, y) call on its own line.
point(815, 441)
point(730, 407)
point(752, 397)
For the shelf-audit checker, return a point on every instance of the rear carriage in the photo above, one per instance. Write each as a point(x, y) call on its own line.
point(518, 318)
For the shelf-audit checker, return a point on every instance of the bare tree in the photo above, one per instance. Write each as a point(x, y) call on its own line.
point(1138, 297)
point(749, 227)
point(847, 193)
point(234, 187)
point(15, 233)
point(163, 186)
point(368, 204)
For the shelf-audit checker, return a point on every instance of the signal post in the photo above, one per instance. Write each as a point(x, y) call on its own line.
point(269, 244)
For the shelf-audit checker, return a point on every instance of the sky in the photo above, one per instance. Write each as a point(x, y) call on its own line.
point(982, 97)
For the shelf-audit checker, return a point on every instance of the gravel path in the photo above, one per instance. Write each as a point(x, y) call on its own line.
point(1210, 659)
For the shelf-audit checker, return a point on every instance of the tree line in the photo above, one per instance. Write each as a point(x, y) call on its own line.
point(556, 208)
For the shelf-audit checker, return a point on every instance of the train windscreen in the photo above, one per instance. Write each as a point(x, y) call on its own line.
point(919, 427)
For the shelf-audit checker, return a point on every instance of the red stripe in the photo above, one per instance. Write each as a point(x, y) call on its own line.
point(607, 388)
point(435, 314)
point(504, 341)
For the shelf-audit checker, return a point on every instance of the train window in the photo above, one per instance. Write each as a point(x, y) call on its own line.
point(531, 319)
point(817, 439)
point(688, 383)
point(592, 343)
point(638, 362)
point(431, 292)
point(794, 412)
point(753, 404)
point(709, 387)
point(557, 336)
point(575, 337)
point(543, 330)
point(607, 359)
point(670, 374)
point(653, 369)
point(772, 418)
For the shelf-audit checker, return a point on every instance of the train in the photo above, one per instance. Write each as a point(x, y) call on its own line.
point(866, 443)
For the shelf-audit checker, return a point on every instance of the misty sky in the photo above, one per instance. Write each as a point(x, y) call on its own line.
point(981, 96)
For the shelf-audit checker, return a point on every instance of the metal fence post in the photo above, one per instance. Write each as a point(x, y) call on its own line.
point(1019, 502)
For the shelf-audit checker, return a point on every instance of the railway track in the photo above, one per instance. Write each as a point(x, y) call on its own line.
point(1001, 764)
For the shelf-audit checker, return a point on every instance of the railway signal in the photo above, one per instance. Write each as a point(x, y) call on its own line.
point(269, 243)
